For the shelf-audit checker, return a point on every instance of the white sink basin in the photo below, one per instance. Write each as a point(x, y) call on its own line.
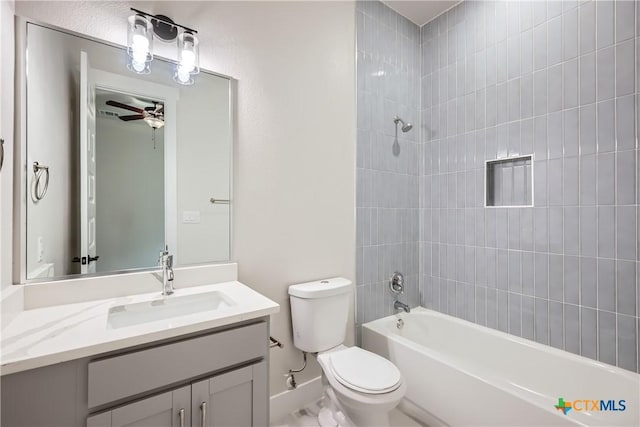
point(167, 308)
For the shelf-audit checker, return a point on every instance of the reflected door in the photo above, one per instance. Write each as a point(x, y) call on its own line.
point(87, 166)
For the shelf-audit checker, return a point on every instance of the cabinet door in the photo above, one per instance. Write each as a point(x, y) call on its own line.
point(171, 409)
point(236, 399)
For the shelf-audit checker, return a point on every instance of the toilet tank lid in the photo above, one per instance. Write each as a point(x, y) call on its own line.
point(321, 288)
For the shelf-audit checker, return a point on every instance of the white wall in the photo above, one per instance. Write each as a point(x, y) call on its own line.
point(6, 132)
point(294, 168)
point(129, 195)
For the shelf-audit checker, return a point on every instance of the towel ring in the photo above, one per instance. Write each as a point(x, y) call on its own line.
point(38, 171)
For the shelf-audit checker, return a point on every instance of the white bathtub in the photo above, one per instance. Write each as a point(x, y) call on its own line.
point(462, 374)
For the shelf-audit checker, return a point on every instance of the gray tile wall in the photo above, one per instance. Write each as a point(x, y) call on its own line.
point(388, 76)
point(558, 80)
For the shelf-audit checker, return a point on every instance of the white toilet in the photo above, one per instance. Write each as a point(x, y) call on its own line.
point(362, 387)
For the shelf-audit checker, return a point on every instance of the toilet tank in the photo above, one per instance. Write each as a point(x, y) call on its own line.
point(319, 313)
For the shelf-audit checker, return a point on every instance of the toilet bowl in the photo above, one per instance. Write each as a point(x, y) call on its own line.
point(365, 386)
point(360, 387)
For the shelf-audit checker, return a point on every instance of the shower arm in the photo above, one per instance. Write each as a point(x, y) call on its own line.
point(396, 122)
point(406, 127)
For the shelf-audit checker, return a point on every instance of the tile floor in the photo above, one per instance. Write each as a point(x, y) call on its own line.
point(308, 417)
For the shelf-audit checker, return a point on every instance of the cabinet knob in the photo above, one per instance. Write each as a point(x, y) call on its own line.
point(181, 416)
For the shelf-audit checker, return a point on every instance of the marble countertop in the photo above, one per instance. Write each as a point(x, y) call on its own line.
point(49, 335)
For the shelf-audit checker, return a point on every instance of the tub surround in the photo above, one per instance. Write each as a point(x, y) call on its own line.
point(556, 80)
point(77, 326)
point(387, 220)
point(504, 79)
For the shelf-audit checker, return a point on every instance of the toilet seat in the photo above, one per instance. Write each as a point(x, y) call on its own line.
point(363, 371)
point(350, 389)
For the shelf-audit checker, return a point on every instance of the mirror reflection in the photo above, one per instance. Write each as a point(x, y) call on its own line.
point(129, 164)
point(129, 181)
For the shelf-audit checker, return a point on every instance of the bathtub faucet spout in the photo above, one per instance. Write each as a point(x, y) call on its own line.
point(401, 306)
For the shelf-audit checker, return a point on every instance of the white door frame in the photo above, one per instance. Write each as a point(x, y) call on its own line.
point(136, 87)
point(87, 164)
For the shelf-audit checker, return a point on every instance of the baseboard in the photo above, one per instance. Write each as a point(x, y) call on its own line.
point(282, 404)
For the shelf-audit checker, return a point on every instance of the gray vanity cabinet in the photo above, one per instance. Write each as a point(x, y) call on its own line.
point(170, 409)
point(151, 385)
point(233, 399)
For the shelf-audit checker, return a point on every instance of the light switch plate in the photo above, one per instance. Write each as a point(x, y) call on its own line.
point(191, 217)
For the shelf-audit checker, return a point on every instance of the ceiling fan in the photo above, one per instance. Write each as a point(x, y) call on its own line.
point(152, 115)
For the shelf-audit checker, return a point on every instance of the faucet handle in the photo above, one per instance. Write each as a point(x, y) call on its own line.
point(396, 284)
point(163, 253)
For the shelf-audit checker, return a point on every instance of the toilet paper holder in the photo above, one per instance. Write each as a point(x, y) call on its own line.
point(275, 343)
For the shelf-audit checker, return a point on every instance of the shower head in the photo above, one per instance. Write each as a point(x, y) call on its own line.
point(406, 127)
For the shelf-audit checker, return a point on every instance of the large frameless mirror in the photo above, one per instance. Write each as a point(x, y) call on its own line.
point(117, 165)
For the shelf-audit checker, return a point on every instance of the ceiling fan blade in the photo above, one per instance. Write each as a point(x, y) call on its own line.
point(125, 106)
point(131, 117)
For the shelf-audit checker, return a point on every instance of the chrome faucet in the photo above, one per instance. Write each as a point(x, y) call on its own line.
point(401, 306)
point(166, 261)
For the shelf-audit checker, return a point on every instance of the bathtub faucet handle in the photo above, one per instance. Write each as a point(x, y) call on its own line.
point(396, 284)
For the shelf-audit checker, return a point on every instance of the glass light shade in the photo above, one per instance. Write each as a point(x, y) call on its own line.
point(139, 44)
point(138, 67)
point(189, 53)
point(182, 76)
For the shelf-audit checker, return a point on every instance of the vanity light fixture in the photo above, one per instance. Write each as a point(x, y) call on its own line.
point(140, 44)
point(189, 56)
point(144, 26)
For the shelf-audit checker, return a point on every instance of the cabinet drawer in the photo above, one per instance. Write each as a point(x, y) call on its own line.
point(119, 377)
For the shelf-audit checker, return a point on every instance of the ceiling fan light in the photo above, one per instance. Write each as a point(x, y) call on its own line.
point(154, 122)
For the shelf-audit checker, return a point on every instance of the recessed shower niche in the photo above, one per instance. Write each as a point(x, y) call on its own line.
point(509, 182)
